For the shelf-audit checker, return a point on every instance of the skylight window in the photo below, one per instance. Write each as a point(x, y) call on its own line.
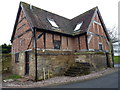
point(78, 26)
point(52, 22)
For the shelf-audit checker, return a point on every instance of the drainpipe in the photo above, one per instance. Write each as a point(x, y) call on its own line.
point(86, 42)
point(35, 51)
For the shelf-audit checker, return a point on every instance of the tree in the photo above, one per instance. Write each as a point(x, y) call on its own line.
point(4, 48)
point(113, 33)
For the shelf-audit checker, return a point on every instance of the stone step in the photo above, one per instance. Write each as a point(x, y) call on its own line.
point(80, 72)
point(76, 73)
point(78, 69)
point(73, 74)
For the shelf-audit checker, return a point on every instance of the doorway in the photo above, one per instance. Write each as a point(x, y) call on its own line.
point(107, 60)
point(27, 63)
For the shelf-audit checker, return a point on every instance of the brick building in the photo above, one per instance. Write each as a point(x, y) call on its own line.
point(43, 42)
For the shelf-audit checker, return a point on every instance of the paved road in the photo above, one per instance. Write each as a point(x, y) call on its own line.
point(108, 81)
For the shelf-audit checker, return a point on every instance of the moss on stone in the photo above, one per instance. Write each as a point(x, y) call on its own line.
point(80, 53)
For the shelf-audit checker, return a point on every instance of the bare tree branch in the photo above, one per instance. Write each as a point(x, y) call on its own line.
point(113, 33)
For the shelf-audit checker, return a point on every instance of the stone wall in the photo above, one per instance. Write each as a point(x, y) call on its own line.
point(97, 61)
point(19, 67)
point(54, 63)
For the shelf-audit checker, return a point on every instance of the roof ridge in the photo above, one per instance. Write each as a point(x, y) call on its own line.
point(60, 15)
point(45, 10)
point(86, 12)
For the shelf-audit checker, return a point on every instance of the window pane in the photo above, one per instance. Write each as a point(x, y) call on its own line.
point(52, 22)
point(100, 47)
point(16, 57)
point(57, 44)
point(78, 26)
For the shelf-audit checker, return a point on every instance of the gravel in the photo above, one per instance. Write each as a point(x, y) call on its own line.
point(56, 80)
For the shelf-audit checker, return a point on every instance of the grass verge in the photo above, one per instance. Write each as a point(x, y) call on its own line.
point(117, 59)
point(14, 76)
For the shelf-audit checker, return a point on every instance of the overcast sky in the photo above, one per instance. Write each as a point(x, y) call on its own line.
point(66, 8)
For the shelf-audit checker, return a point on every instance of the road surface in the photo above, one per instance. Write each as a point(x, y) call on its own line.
point(108, 81)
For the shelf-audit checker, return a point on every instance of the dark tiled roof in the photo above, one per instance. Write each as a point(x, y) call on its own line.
point(85, 18)
point(38, 18)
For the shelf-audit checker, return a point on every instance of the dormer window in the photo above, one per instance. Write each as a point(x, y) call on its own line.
point(52, 22)
point(77, 28)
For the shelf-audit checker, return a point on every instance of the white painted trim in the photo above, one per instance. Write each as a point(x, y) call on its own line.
point(55, 49)
point(97, 23)
point(29, 50)
point(89, 39)
point(83, 50)
point(91, 49)
point(92, 20)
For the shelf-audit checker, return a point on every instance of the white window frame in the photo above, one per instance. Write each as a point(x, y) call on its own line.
point(78, 26)
point(52, 22)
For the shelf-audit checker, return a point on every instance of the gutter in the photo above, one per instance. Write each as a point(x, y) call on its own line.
point(52, 31)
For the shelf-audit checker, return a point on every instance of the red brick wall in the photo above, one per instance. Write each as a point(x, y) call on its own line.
point(82, 42)
point(97, 29)
point(56, 37)
point(40, 41)
point(49, 41)
point(76, 44)
point(70, 43)
point(64, 42)
point(23, 21)
point(21, 43)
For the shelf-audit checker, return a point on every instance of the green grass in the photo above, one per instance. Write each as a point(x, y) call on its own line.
point(116, 59)
point(14, 76)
